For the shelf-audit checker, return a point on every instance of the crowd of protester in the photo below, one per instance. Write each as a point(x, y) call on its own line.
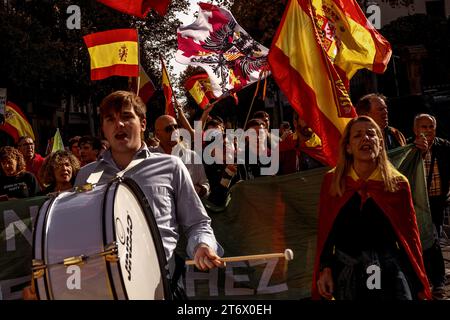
point(25, 173)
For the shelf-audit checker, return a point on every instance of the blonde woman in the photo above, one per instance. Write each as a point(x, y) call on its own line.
point(368, 244)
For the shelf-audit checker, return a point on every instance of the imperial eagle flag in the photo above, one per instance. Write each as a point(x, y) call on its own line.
point(318, 47)
point(218, 44)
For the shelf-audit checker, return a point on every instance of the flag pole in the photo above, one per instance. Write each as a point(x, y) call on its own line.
point(254, 96)
point(170, 84)
point(209, 106)
point(138, 80)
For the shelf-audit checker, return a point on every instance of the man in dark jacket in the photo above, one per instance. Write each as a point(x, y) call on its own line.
point(374, 106)
point(436, 160)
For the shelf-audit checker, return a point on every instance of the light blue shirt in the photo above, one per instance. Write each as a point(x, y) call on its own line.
point(196, 170)
point(168, 187)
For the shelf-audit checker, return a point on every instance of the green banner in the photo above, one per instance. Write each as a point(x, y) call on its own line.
point(16, 221)
point(271, 214)
point(266, 215)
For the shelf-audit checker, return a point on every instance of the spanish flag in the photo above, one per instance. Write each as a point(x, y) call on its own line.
point(318, 47)
point(168, 92)
point(199, 87)
point(138, 8)
point(16, 124)
point(113, 53)
point(146, 86)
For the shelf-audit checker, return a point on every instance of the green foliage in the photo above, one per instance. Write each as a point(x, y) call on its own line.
point(431, 32)
point(259, 18)
point(41, 57)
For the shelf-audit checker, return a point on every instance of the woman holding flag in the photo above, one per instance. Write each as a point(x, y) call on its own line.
point(368, 242)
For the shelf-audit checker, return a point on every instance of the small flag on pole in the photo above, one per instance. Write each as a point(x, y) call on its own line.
point(168, 92)
point(113, 53)
point(199, 87)
point(57, 142)
point(146, 86)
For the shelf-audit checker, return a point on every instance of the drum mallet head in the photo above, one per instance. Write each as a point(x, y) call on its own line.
point(288, 254)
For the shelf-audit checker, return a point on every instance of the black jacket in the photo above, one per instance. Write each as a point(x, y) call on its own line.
point(441, 151)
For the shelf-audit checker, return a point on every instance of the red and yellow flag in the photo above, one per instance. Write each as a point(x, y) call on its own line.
point(138, 8)
point(146, 86)
point(318, 47)
point(199, 87)
point(16, 124)
point(113, 53)
point(168, 92)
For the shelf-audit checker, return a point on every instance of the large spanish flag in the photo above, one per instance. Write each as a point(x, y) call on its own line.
point(16, 124)
point(318, 47)
point(199, 87)
point(138, 8)
point(168, 92)
point(113, 53)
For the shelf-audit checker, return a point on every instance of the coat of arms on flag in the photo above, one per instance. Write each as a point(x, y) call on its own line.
point(113, 53)
point(199, 87)
point(318, 47)
point(218, 44)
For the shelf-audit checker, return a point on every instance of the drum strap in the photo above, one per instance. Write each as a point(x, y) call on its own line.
point(133, 163)
point(95, 176)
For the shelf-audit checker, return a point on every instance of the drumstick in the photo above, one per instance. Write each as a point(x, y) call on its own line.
point(288, 255)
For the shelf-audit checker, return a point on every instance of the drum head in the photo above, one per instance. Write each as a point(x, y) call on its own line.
point(141, 254)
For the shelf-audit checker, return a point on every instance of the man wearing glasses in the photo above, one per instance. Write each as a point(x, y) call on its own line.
point(166, 130)
point(33, 160)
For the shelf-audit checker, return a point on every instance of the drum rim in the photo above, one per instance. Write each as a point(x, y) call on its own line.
point(50, 202)
point(143, 202)
point(105, 243)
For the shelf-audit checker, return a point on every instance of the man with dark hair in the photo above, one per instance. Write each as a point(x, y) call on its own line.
point(89, 149)
point(74, 147)
point(374, 106)
point(264, 116)
point(164, 180)
point(256, 146)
